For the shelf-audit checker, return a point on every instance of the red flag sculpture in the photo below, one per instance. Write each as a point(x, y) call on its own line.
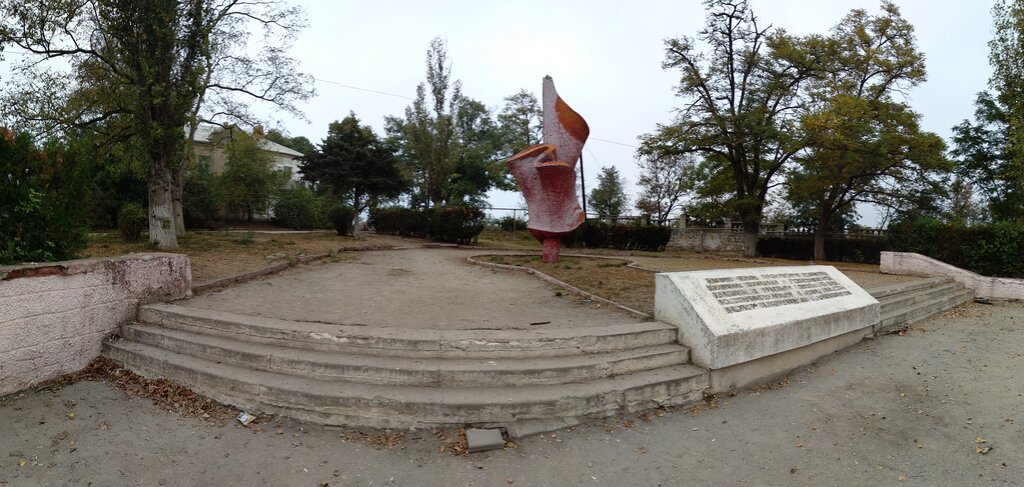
point(546, 173)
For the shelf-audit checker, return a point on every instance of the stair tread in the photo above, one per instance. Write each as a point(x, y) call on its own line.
point(496, 364)
point(902, 287)
point(957, 298)
point(948, 288)
point(473, 395)
point(384, 332)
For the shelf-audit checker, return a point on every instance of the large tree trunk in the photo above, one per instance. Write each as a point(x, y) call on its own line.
point(819, 236)
point(751, 230)
point(161, 206)
point(176, 195)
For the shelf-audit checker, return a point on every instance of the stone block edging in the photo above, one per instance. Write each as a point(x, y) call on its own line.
point(271, 269)
point(913, 264)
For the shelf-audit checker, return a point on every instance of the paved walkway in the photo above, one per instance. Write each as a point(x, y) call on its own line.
point(898, 410)
point(411, 288)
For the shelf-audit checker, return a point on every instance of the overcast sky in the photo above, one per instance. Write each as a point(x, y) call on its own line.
point(605, 57)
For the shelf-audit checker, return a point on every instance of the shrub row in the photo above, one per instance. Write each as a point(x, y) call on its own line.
point(456, 224)
point(991, 249)
point(595, 234)
point(863, 250)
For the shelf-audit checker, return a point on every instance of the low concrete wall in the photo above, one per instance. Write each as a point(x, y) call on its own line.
point(54, 316)
point(911, 264)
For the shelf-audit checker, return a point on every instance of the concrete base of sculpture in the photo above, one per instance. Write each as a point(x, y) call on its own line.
point(741, 323)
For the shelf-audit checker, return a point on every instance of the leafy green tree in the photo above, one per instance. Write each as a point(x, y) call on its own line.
point(663, 185)
point(742, 102)
point(520, 118)
point(609, 197)
point(426, 135)
point(355, 164)
point(250, 182)
point(479, 149)
point(990, 149)
point(520, 123)
point(861, 143)
point(42, 217)
point(144, 71)
point(297, 143)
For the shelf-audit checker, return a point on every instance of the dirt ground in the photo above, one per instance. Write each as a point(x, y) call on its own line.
point(217, 254)
point(632, 287)
point(941, 405)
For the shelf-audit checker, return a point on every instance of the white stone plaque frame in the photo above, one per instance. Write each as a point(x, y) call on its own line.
point(733, 316)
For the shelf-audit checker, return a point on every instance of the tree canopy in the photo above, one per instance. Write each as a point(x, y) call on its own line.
point(355, 164)
point(143, 72)
point(609, 198)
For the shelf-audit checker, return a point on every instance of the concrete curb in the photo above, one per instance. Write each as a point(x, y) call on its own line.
point(551, 280)
point(271, 269)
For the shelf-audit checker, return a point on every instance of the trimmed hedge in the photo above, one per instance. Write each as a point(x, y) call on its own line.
point(455, 224)
point(594, 234)
point(991, 249)
point(861, 250)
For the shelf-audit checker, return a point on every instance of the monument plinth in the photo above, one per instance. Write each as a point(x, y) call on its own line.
point(733, 317)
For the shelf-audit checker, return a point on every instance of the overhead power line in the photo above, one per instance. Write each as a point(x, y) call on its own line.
point(363, 89)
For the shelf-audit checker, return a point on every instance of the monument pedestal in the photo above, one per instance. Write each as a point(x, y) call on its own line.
point(749, 325)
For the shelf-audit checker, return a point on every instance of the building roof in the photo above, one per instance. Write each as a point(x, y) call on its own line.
point(204, 132)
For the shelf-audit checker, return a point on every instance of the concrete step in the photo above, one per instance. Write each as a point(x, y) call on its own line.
point(404, 342)
point(376, 369)
point(896, 302)
point(395, 406)
point(898, 319)
point(903, 287)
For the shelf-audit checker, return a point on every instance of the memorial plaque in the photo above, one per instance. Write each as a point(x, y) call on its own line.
point(731, 316)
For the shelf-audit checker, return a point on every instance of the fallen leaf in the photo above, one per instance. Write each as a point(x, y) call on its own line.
point(984, 450)
point(980, 440)
point(21, 462)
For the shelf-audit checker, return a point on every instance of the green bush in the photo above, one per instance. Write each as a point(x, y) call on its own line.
point(864, 250)
point(131, 221)
point(342, 218)
point(991, 249)
point(297, 208)
point(511, 223)
point(456, 224)
point(401, 221)
point(42, 215)
point(596, 234)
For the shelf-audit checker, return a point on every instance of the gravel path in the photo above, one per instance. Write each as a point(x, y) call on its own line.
point(898, 410)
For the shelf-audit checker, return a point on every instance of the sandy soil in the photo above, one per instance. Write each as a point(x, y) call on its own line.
point(226, 253)
point(634, 287)
point(899, 410)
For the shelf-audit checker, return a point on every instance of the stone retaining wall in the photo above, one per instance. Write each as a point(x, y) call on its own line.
point(912, 264)
point(703, 239)
point(54, 316)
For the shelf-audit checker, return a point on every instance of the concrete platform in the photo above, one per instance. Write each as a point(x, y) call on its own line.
point(413, 289)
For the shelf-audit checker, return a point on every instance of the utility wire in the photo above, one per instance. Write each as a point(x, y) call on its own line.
point(362, 89)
